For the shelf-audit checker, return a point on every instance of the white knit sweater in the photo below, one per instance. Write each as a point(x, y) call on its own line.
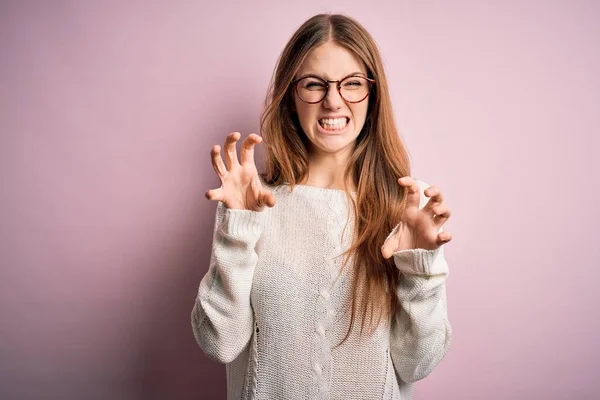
point(272, 306)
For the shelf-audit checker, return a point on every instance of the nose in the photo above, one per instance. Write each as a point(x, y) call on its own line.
point(333, 100)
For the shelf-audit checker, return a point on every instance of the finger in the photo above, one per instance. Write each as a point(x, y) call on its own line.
point(412, 189)
point(434, 193)
point(267, 199)
point(442, 213)
point(435, 198)
point(391, 243)
point(230, 150)
point(388, 248)
point(247, 153)
point(214, 194)
point(443, 237)
point(217, 162)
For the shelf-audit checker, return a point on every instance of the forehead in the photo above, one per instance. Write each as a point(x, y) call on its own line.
point(331, 61)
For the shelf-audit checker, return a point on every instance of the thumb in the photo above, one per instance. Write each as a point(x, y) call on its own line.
point(388, 248)
point(267, 199)
point(391, 244)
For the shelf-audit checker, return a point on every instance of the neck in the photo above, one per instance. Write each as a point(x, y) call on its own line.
point(327, 171)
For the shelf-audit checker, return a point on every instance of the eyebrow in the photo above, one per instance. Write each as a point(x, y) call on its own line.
point(319, 76)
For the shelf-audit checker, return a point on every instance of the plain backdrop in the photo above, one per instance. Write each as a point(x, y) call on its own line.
point(108, 111)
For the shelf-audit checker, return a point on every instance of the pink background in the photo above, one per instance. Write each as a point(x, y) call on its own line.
point(108, 112)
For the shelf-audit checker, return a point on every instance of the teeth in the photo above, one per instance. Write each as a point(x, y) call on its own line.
point(333, 123)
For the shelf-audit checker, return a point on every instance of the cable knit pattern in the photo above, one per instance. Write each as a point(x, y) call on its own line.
point(275, 302)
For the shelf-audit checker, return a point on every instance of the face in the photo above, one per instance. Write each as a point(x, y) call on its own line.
point(332, 125)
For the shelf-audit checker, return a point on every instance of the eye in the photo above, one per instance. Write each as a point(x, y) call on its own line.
point(354, 83)
point(314, 85)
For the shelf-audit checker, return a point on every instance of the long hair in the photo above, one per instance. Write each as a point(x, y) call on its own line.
point(378, 160)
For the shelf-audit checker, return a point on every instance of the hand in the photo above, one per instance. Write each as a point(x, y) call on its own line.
point(419, 228)
point(241, 187)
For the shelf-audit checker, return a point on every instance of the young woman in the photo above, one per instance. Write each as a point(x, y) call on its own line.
point(327, 275)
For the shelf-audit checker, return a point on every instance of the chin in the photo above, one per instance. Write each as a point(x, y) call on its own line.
point(334, 145)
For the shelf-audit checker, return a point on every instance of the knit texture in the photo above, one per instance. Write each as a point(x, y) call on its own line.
point(273, 305)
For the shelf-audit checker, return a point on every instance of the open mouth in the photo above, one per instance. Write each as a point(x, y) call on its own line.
point(334, 124)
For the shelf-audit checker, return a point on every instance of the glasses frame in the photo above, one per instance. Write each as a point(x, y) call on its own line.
point(370, 81)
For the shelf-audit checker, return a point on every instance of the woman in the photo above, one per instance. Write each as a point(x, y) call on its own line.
point(327, 275)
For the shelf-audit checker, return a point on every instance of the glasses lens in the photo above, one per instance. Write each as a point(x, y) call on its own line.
point(311, 90)
point(354, 88)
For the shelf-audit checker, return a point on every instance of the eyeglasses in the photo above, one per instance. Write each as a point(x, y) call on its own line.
point(313, 89)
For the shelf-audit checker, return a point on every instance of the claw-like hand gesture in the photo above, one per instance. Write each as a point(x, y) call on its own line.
point(241, 187)
point(419, 228)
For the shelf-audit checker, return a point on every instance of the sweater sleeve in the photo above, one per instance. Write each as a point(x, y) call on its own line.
point(222, 317)
point(420, 332)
